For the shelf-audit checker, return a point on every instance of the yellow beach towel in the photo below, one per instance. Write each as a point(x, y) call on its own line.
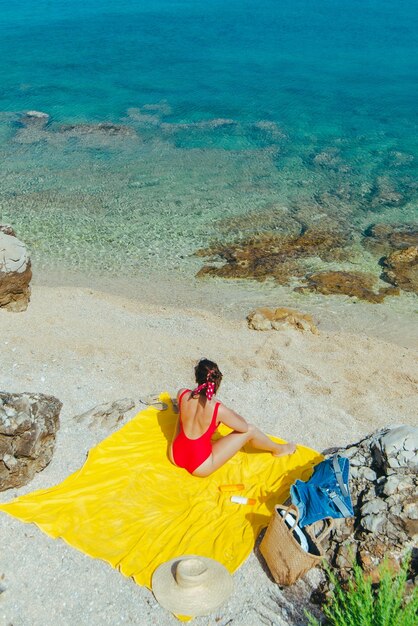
point(131, 507)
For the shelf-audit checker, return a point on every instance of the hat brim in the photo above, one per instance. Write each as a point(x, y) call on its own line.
point(192, 601)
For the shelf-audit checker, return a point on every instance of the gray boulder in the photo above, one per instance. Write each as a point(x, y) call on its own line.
point(397, 447)
point(28, 425)
point(15, 272)
point(383, 486)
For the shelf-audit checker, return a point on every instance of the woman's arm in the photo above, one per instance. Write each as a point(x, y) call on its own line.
point(231, 419)
point(177, 428)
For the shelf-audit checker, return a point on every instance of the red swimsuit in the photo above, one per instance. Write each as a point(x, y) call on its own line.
point(190, 453)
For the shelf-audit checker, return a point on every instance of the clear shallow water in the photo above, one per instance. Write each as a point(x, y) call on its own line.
point(292, 108)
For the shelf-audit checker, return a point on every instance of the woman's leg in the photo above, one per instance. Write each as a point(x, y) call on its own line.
point(260, 441)
point(226, 447)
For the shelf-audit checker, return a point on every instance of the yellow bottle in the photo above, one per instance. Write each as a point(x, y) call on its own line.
point(226, 488)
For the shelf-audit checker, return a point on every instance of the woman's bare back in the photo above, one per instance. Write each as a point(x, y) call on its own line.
point(196, 414)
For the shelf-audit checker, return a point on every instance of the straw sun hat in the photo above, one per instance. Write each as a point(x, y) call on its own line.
point(191, 585)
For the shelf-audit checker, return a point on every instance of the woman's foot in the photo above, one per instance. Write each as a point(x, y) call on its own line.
point(285, 449)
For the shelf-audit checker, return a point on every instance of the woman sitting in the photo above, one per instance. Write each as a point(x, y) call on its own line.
point(199, 416)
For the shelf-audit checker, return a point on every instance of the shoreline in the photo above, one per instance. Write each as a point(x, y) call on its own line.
point(87, 347)
point(394, 320)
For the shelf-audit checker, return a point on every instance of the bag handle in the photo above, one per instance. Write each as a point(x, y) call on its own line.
point(325, 531)
point(290, 508)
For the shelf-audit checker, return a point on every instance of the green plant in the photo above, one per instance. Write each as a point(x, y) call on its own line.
point(360, 604)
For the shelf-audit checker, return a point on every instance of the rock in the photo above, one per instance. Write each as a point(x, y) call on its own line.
point(398, 447)
point(35, 118)
point(372, 507)
point(7, 230)
point(103, 128)
point(15, 272)
point(411, 509)
point(384, 193)
point(370, 562)
point(353, 284)
point(107, 414)
point(329, 159)
point(381, 239)
point(383, 492)
point(344, 559)
point(391, 485)
point(268, 319)
point(401, 269)
point(274, 256)
point(28, 425)
point(273, 220)
point(219, 122)
point(398, 158)
point(366, 473)
point(273, 131)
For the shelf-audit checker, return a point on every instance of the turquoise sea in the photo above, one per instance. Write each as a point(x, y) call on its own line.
point(175, 124)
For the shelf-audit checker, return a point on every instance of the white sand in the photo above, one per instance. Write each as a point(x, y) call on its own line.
point(88, 347)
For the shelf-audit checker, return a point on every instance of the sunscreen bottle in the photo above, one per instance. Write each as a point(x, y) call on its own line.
point(243, 500)
point(238, 487)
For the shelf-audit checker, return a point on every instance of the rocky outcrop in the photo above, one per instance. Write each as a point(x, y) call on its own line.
point(15, 271)
point(276, 319)
point(354, 284)
point(35, 118)
point(274, 256)
point(384, 192)
point(35, 127)
point(384, 482)
point(103, 128)
point(7, 230)
point(382, 239)
point(28, 424)
point(107, 415)
point(401, 269)
point(32, 127)
point(329, 159)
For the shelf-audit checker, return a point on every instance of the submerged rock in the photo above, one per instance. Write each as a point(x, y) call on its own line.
point(272, 130)
point(273, 220)
point(32, 128)
point(328, 159)
point(28, 425)
point(276, 319)
point(401, 269)
point(15, 272)
point(383, 486)
point(396, 158)
point(385, 193)
point(354, 284)
point(35, 118)
point(103, 128)
point(7, 230)
point(273, 255)
point(381, 239)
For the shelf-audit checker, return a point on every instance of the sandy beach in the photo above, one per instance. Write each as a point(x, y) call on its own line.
point(88, 346)
point(169, 167)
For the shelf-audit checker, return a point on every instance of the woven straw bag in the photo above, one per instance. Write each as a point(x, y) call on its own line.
point(284, 555)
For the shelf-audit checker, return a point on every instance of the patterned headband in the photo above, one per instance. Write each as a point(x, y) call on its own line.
point(210, 389)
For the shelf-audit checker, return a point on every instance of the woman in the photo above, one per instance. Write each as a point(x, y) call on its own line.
point(199, 417)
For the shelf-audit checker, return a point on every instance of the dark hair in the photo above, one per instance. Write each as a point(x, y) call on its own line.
point(207, 371)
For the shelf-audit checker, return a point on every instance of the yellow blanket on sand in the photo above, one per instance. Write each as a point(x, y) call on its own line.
point(131, 507)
